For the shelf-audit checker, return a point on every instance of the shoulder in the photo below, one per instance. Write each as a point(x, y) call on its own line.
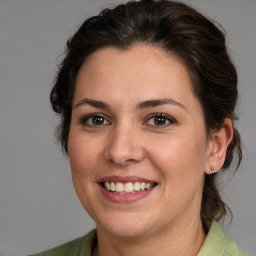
point(216, 243)
point(79, 246)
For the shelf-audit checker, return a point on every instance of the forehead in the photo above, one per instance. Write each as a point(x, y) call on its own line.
point(146, 56)
point(142, 71)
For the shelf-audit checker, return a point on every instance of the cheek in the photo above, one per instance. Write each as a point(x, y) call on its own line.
point(180, 164)
point(180, 157)
point(83, 155)
point(83, 160)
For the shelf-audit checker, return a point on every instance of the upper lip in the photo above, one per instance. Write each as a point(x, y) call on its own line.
point(125, 179)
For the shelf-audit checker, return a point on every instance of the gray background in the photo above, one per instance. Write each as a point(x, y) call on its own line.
point(38, 205)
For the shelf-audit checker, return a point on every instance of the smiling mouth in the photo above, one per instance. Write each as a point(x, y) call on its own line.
point(127, 188)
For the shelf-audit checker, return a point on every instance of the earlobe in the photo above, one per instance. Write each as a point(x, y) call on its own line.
point(220, 141)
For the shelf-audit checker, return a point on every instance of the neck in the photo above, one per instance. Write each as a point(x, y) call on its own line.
point(185, 240)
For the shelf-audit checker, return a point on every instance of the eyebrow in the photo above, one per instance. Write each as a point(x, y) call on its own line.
point(93, 103)
point(158, 102)
point(142, 105)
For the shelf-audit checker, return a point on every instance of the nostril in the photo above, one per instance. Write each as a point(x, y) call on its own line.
point(121, 162)
point(130, 161)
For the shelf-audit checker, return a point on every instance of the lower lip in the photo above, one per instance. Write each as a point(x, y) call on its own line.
point(125, 198)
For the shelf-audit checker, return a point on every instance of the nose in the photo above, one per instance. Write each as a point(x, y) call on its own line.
point(124, 147)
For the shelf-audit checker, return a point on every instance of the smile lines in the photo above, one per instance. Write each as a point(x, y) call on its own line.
point(127, 188)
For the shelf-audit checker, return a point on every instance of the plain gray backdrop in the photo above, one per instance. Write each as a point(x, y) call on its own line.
point(38, 206)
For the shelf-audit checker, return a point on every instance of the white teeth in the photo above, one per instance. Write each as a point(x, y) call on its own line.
point(113, 187)
point(127, 188)
point(108, 185)
point(119, 187)
point(148, 185)
point(136, 186)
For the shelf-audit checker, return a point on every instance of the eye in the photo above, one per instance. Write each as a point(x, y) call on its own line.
point(95, 120)
point(159, 120)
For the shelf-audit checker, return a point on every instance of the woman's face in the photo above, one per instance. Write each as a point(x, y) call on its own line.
point(137, 144)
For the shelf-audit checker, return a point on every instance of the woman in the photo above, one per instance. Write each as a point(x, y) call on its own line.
point(147, 94)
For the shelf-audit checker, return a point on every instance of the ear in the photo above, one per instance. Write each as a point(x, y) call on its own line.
point(218, 145)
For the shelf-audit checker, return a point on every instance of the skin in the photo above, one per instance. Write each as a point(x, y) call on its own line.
point(177, 154)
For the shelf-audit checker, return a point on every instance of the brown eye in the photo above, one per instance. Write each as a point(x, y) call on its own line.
point(160, 120)
point(95, 120)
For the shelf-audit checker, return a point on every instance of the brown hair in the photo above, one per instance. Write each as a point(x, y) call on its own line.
point(176, 28)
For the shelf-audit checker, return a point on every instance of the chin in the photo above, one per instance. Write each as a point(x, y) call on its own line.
point(126, 225)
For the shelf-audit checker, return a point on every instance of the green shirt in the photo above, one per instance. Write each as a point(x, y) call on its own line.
point(216, 244)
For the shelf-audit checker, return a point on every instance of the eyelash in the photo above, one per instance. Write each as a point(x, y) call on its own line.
point(84, 120)
point(165, 118)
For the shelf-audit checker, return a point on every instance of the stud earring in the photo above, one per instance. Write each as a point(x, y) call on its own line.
point(212, 169)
